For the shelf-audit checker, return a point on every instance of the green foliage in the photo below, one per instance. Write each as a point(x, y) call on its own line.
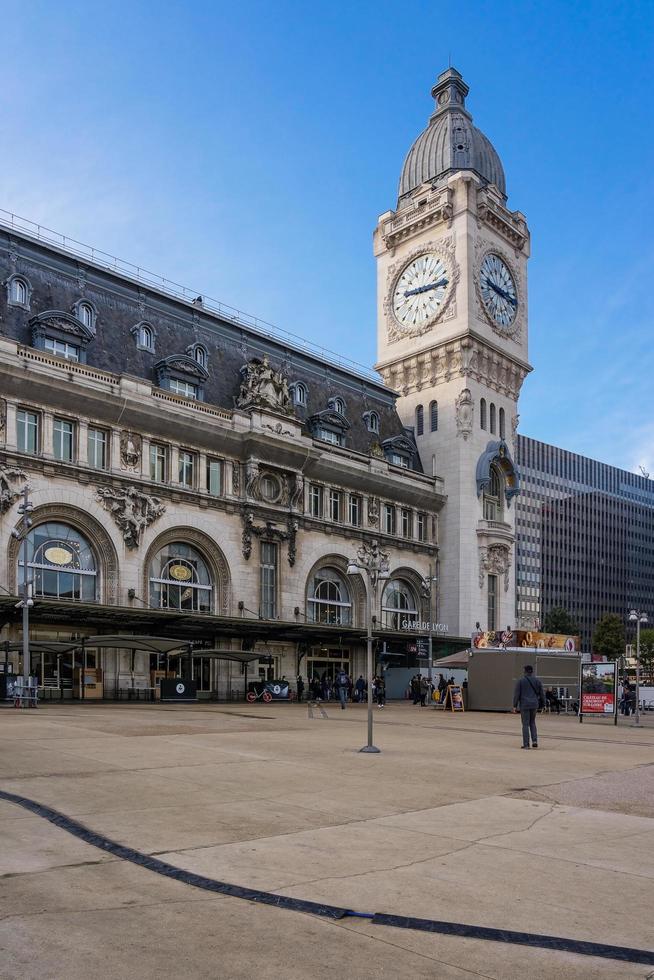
point(559, 620)
point(609, 636)
point(646, 650)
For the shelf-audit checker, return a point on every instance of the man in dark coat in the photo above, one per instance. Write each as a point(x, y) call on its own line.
point(528, 696)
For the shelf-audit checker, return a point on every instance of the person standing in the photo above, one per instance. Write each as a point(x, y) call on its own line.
point(442, 689)
point(528, 697)
point(415, 688)
point(360, 688)
point(300, 688)
point(380, 690)
point(424, 690)
point(342, 685)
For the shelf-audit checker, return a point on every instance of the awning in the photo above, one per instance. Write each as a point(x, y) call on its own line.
point(236, 656)
point(454, 661)
point(128, 641)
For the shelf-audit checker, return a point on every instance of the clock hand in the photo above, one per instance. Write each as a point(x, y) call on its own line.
point(501, 292)
point(423, 289)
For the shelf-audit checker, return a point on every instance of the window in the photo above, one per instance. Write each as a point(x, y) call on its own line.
point(61, 348)
point(62, 440)
point(420, 420)
point(185, 388)
point(399, 605)
point(407, 523)
point(492, 602)
point(338, 405)
point(373, 421)
point(329, 599)
point(398, 460)
point(433, 416)
point(355, 510)
point(180, 579)
point(336, 505)
point(300, 394)
point(268, 580)
point(502, 425)
point(327, 435)
point(492, 417)
point(187, 468)
point(389, 518)
point(200, 355)
point(493, 497)
point(85, 314)
point(145, 337)
point(421, 527)
point(215, 477)
point(158, 463)
point(97, 449)
point(18, 292)
point(482, 413)
point(315, 500)
point(27, 431)
point(61, 563)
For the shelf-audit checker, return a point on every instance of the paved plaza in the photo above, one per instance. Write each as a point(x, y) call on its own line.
point(451, 821)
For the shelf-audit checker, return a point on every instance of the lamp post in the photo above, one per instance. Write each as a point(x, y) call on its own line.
point(639, 618)
point(26, 602)
point(374, 562)
point(428, 586)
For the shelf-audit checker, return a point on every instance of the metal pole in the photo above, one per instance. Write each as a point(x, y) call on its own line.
point(369, 747)
point(431, 626)
point(637, 722)
point(26, 592)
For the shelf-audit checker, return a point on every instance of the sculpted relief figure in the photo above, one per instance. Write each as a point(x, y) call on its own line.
point(263, 387)
point(7, 494)
point(130, 449)
point(132, 510)
point(464, 413)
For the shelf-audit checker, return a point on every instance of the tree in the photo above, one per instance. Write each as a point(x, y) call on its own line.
point(559, 620)
point(609, 636)
point(646, 651)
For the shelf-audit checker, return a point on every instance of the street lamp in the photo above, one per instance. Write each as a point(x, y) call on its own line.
point(429, 591)
point(26, 602)
point(639, 618)
point(374, 562)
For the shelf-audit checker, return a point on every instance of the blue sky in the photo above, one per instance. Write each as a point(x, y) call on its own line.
point(246, 150)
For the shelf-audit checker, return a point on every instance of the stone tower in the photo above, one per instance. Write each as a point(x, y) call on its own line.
point(452, 340)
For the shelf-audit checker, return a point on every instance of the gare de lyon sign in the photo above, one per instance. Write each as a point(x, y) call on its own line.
point(421, 646)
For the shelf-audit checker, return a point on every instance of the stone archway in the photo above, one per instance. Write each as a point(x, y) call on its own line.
point(211, 553)
point(414, 580)
point(103, 546)
point(355, 584)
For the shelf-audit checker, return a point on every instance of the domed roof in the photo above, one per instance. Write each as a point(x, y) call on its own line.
point(450, 142)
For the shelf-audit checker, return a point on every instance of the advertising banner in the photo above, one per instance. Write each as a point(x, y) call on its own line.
point(598, 685)
point(525, 639)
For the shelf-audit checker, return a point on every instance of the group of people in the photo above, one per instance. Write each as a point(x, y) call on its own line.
point(342, 687)
point(421, 688)
point(627, 703)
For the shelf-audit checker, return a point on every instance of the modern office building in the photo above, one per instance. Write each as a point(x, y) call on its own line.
point(584, 537)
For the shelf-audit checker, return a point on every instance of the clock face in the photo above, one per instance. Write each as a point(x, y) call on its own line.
point(498, 290)
point(420, 290)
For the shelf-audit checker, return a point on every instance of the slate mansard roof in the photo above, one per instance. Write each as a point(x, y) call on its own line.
point(58, 279)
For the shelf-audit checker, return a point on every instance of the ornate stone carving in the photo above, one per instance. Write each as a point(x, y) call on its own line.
point(252, 478)
point(464, 413)
point(263, 387)
point(494, 560)
point(236, 478)
point(373, 511)
point(132, 510)
point(444, 249)
point(297, 493)
point(130, 449)
point(278, 429)
point(270, 532)
point(7, 494)
point(515, 422)
point(3, 414)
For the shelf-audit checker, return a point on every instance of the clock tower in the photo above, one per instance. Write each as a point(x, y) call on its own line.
point(452, 340)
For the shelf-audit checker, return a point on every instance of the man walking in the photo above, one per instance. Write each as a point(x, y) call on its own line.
point(529, 696)
point(343, 685)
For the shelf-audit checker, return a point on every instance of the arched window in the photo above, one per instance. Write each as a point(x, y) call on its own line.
point(85, 314)
point(328, 599)
point(145, 337)
point(374, 422)
point(399, 605)
point(492, 417)
point(502, 425)
point(420, 420)
point(60, 562)
point(493, 496)
point(433, 416)
point(200, 355)
point(338, 405)
point(180, 579)
point(482, 413)
point(18, 292)
point(300, 393)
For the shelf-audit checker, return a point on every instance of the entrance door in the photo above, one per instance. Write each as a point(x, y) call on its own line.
point(202, 673)
point(328, 663)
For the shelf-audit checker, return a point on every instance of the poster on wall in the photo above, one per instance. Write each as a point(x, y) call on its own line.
point(525, 639)
point(599, 687)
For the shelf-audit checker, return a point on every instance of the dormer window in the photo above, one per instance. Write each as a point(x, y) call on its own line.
point(18, 292)
point(372, 421)
point(85, 314)
point(300, 394)
point(329, 426)
point(182, 375)
point(144, 335)
point(61, 334)
point(400, 451)
point(199, 353)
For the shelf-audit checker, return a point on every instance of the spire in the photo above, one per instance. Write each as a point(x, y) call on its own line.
point(450, 92)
